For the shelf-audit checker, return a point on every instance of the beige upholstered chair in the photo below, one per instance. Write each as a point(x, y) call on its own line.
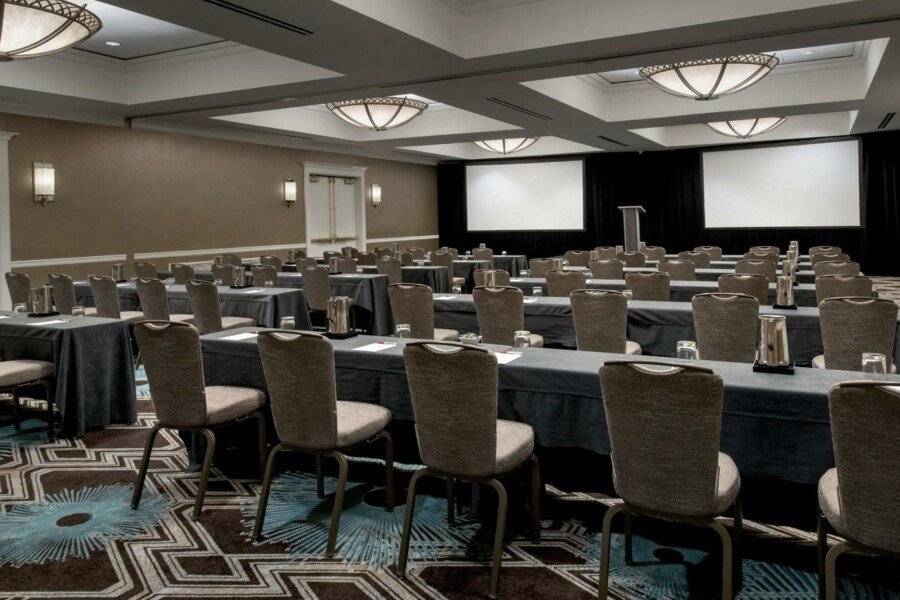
point(607, 269)
point(232, 259)
point(19, 285)
point(452, 252)
point(412, 303)
point(500, 277)
point(605, 252)
point(648, 286)
point(390, 266)
point(418, 253)
point(351, 250)
point(540, 267)
point(346, 265)
point(405, 258)
point(367, 258)
point(818, 257)
point(836, 268)
point(725, 325)
point(841, 286)
point(483, 254)
point(460, 436)
point(223, 273)
point(299, 253)
point(64, 294)
point(174, 366)
point(767, 268)
point(501, 312)
point(106, 300)
point(715, 252)
point(700, 259)
point(563, 283)
point(145, 270)
point(300, 377)
point(677, 471)
point(445, 259)
point(182, 273)
point(851, 326)
point(578, 258)
point(379, 251)
point(858, 498)
point(155, 302)
point(26, 372)
point(632, 259)
point(678, 270)
point(331, 254)
point(601, 322)
point(654, 252)
point(271, 261)
point(303, 262)
point(317, 289)
point(752, 285)
point(773, 250)
point(772, 258)
point(204, 298)
point(824, 250)
point(263, 274)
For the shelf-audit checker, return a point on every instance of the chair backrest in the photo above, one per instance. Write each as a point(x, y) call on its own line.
point(63, 292)
point(500, 312)
point(351, 250)
point(563, 283)
point(501, 277)
point(224, 273)
point(865, 431)
point(263, 273)
point(578, 258)
point(174, 366)
point(300, 379)
point(153, 298)
point(836, 268)
point(632, 259)
point(366, 258)
point(307, 262)
point(106, 296)
point(299, 253)
point(331, 254)
point(605, 252)
point(232, 259)
point(204, 298)
point(443, 259)
point(418, 253)
point(145, 270)
point(773, 250)
point(412, 303)
point(182, 273)
point(726, 326)
point(767, 268)
point(818, 257)
point(601, 320)
point(19, 285)
point(851, 326)
point(772, 258)
point(752, 285)
point(483, 254)
point(539, 267)
point(346, 265)
point(715, 252)
point(841, 286)
point(824, 250)
point(648, 286)
point(379, 251)
point(390, 266)
point(316, 287)
point(607, 269)
point(271, 261)
point(453, 252)
point(700, 259)
point(678, 270)
point(676, 415)
point(405, 258)
point(453, 389)
point(654, 252)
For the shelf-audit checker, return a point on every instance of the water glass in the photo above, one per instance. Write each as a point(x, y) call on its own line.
point(456, 289)
point(687, 349)
point(218, 282)
point(470, 339)
point(78, 311)
point(874, 362)
point(268, 283)
point(521, 340)
point(537, 291)
point(524, 273)
point(503, 253)
point(21, 309)
point(403, 332)
point(288, 323)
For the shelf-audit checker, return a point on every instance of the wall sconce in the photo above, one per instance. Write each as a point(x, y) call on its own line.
point(44, 176)
point(376, 195)
point(290, 192)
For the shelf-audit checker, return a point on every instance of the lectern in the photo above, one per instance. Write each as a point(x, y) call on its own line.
point(631, 223)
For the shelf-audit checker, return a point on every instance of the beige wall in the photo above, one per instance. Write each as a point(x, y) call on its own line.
point(120, 191)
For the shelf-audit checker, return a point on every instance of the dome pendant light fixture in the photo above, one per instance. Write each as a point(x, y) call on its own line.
point(378, 114)
point(31, 28)
point(709, 78)
point(746, 128)
point(506, 145)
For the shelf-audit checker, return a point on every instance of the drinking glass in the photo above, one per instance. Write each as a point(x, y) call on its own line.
point(457, 289)
point(21, 309)
point(521, 340)
point(524, 273)
point(537, 291)
point(218, 282)
point(78, 311)
point(874, 362)
point(687, 349)
point(470, 339)
point(268, 283)
point(403, 332)
point(288, 323)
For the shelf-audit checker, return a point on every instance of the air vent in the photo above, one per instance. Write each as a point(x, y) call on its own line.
point(259, 16)
point(612, 141)
point(518, 108)
point(886, 120)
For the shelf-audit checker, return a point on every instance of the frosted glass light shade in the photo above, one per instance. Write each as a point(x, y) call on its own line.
point(506, 145)
point(378, 114)
point(33, 28)
point(290, 191)
point(44, 181)
point(710, 78)
point(745, 128)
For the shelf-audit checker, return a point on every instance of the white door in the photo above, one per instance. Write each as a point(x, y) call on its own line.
point(331, 213)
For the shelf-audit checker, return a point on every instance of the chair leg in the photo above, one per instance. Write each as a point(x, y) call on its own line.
point(264, 493)
point(407, 521)
point(142, 472)
point(502, 504)
point(50, 387)
point(320, 478)
point(537, 490)
point(727, 559)
point(629, 539)
point(389, 491)
point(738, 536)
point(831, 569)
point(262, 441)
point(204, 472)
point(17, 409)
point(451, 499)
point(611, 512)
point(822, 546)
point(338, 503)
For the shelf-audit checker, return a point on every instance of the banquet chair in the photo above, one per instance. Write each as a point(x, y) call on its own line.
point(501, 277)
point(824, 250)
point(601, 322)
point(405, 258)
point(146, 270)
point(700, 259)
point(379, 251)
point(307, 262)
point(204, 298)
point(223, 273)
point(501, 313)
point(715, 252)
point(677, 471)
point(174, 366)
point(772, 250)
point(299, 253)
point(830, 267)
point(725, 326)
point(271, 261)
point(106, 300)
point(818, 257)
point(346, 265)
point(418, 253)
point(19, 285)
point(483, 254)
point(155, 302)
point(413, 304)
point(452, 252)
point(858, 497)
point(300, 377)
point(654, 252)
point(839, 286)
point(182, 273)
point(772, 258)
point(539, 267)
point(767, 268)
point(677, 269)
point(605, 252)
point(351, 250)
point(263, 274)
point(445, 259)
point(390, 266)
point(317, 289)
point(367, 258)
point(232, 259)
point(22, 372)
point(752, 285)
point(851, 326)
point(64, 294)
point(607, 269)
point(632, 259)
point(563, 283)
point(331, 254)
point(648, 286)
point(578, 258)
point(460, 437)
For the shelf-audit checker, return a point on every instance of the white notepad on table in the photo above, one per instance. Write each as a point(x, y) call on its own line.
point(241, 336)
point(445, 297)
point(530, 300)
point(504, 358)
point(375, 347)
point(53, 322)
point(253, 291)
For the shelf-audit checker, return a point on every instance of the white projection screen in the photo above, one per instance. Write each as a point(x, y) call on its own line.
point(529, 196)
point(799, 185)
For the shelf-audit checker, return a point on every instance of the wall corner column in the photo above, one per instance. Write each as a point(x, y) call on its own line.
point(5, 224)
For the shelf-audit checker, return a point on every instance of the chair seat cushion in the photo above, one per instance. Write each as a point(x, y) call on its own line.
point(359, 421)
point(235, 322)
point(132, 316)
point(225, 403)
point(632, 347)
point(515, 444)
point(537, 341)
point(728, 483)
point(446, 335)
point(16, 372)
point(182, 318)
point(829, 499)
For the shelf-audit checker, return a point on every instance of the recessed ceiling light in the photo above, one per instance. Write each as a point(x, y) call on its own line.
point(113, 43)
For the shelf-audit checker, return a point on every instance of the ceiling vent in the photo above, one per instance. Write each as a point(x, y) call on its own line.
point(886, 120)
point(259, 16)
point(518, 108)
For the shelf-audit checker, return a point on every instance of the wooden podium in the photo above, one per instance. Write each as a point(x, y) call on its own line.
point(631, 223)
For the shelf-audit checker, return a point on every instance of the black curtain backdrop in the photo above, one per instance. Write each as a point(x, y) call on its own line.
point(669, 184)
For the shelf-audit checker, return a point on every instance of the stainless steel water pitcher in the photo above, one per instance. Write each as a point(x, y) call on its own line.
point(773, 341)
point(118, 272)
point(333, 265)
point(784, 289)
point(339, 314)
point(238, 276)
point(41, 299)
point(292, 256)
point(789, 268)
point(395, 247)
point(558, 264)
point(490, 278)
point(346, 252)
point(217, 259)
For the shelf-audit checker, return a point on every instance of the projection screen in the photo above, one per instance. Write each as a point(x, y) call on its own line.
point(530, 196)
point(798, 185)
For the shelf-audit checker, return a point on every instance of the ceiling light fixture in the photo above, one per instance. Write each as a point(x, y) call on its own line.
point(32, 28)
point(709, 78)
point(378, 114)
point(506, 145)
point(745, 128)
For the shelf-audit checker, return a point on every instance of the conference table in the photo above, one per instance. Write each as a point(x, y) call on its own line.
point(729, 264)
point(94, 365)
point(714, 274)
point(656, 326)
point(737, 257)
point(437, 278)
point(513, 264)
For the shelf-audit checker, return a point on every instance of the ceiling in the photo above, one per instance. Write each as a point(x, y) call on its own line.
point(562, 70)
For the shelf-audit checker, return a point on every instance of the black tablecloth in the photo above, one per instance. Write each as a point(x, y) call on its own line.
point(713, 274)
point(368, 291)
point(466, 269)
point(436, 278)
point(511, 263)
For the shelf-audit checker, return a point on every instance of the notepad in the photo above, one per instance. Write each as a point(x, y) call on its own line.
point(504, 358)
point(53, 322)
point(253, 291)
point(5, 316)
point(375, 347)
point(241, 336)
point(445, 297)
point(516, 279)
point(530, 300)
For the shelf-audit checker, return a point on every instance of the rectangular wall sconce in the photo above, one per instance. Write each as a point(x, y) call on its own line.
point(44, 176)
point(376, 195)
point(290, 192)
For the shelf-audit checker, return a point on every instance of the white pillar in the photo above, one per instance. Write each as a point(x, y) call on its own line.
point(5, 226)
